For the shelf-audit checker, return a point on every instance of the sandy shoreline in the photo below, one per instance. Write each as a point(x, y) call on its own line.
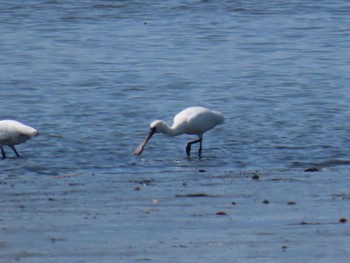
point(200, 215)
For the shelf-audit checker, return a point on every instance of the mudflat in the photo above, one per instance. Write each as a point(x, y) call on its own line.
point(286, 215)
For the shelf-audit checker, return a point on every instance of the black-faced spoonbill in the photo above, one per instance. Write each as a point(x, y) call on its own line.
point(193, 120)
point(13, 133)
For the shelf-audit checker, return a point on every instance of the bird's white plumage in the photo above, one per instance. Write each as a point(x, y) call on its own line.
point(193, 120)
point(13, 133)
point(197, 120)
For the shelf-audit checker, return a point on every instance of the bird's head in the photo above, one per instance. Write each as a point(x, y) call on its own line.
point(35, 133)
point(157, 126)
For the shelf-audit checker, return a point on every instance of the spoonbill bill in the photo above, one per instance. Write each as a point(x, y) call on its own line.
point(193, 120)
point(13, 133)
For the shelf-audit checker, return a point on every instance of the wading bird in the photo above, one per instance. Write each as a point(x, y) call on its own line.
point(13, 133)
point(193, 120)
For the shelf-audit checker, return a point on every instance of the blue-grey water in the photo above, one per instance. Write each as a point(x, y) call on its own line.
point(92, 75)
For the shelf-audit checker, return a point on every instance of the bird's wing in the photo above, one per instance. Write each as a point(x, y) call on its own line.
point(2, 135)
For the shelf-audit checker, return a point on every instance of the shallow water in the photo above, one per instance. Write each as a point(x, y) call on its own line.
point(92, 75)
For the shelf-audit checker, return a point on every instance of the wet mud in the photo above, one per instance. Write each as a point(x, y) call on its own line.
point(197, 216)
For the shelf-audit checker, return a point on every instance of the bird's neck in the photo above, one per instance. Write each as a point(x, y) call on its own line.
point(170, 131)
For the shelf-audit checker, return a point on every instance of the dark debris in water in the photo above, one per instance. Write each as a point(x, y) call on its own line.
point(283, 179)
point(145, 182)
point(221, 213)
point(343, 196)
point(195, 195)
point(341, 220)
point(256, 176)
point(284, 248)
point(312, 169)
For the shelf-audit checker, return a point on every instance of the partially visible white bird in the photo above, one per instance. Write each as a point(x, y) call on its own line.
point(193, 120)
point(13, 133)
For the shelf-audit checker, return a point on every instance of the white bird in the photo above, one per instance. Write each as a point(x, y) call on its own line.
point(193, 120)
point(13, 133)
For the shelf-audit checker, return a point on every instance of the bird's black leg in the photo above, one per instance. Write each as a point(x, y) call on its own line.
point(188, 147)
point(14, 149)
point(200, 148)
point(3, 152)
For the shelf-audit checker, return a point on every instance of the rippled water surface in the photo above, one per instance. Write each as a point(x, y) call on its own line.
point(92, 75)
